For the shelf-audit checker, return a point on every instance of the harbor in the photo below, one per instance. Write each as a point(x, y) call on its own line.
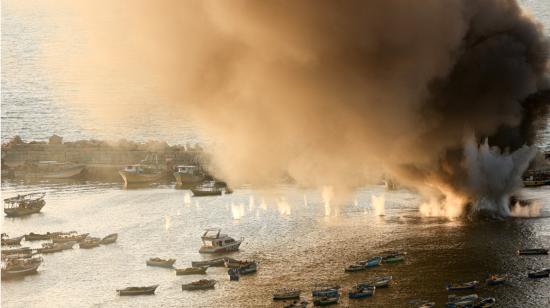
point(296, 237)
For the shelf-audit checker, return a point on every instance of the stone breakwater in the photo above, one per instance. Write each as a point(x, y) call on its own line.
point(102, 159)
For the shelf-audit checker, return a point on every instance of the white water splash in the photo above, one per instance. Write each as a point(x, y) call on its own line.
point(327, 194)
point(378, 205)
point(531, 210)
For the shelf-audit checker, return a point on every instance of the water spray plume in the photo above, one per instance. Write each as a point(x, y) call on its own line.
point(378, 205)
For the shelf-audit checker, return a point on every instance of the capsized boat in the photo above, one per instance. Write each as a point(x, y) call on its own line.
point(361, 291)
point(109, 239)
point(372, 262)
point(130, 291)
point(494, 280)
point(213, 241)
point(533, 251)
point(217, 262)
point(285, 294)
point(540, 274)
point(211, 188)
point(191, 271)
point(168, 263)
point(485, 302)
point(13, 241)
point(22, 205)
point(462, 286)
point(188, 174)
point(139, 174)
point(326, 301)
point(202, 284)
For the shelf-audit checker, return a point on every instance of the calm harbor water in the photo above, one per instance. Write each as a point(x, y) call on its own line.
point(298, 239)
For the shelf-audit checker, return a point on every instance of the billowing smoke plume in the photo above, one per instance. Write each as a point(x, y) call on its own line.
point(340, 92)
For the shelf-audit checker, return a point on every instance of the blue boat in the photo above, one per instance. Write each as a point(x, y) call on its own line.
point(234, 274)
point(331, 291)
point(462, 286)
point(372, 262)
point(361, 292)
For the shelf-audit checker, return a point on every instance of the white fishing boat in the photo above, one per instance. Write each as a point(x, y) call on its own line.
point(213, 241)
point(188, 174)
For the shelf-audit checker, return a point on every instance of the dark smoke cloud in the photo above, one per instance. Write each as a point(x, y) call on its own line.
point(336, 92)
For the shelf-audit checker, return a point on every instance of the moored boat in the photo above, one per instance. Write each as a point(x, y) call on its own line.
point(218, 262)
point(285, 294)
point(51, 247)
point(354, 268)
point(427, 304)
point(20, 267)
point(494, 280)
point(297, 304)
point(188, 174)
point(485, 302)
point(461, 301)
point(13, 241)
point(249, 268)
point(71, 236)
point(90, 242)
point(168, 263)
point(140, 174)
point(392, 259)
point(49, 170)
point(462, 286)
point(233, 263)
point(191, 271)
point(540, 274)
point(109, 239)
point(213, 241)
point(382, 282)
point(533, 251)
point(361, 291)
point(202, 284)
point(326, 301)
point(372, 262)
point(325, 291)
point(211, 188)
point(22, 250)
point(40, 237)
point(130, 291)
point(23, 205)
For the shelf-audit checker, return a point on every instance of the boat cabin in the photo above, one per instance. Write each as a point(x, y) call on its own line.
point(214, 238)
point(188, 169)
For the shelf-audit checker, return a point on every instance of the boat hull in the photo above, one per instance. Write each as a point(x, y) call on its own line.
point(109, 239)
point(212, 263)
point(183, 178)
point(33, 269)
point(65, 173)
point(166, 264)
point(12, 241)
point(138, 178)
point(210, 249)
point(19, 211)
point(141, 291)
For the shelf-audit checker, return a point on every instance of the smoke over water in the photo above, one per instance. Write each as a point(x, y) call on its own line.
point(340, 92)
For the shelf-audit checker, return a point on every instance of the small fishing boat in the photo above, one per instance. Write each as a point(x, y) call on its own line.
point(202, 284)
point(233, 263)
point(372, 262)
point(326, 301)
point(285, 294)
point(325, 291)
point(23, 250)
point(426, 304)
point(140, 174)
point(191, 271)
point(40, 237)
point(533, 251)
point(354, 268)
point(23, 205)
point(51, 247)
point(213, 241)
point(131, 291)
point(89, 243)
point(382, 282)
point(188, 174)
point(485, 302)
point(540, 274)
point(462, 286)
point(14, 241)
point(361, 291)
point(392, 259)
point(71, 236)
point(297, 304)
point(109, 239)
point(218, 262)
point(18, 267)
point(211, 188)
point(168, 263)
point(461, 301)
point(494, 280)
point(249, 268)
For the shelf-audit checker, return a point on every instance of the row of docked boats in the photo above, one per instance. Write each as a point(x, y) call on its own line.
point(391, 257)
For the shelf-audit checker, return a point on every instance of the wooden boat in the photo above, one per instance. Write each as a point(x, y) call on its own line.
point(248, 268)
point(427, 305)
point(233, 263)
point(14, 241)
point(211, 188)
point(361, 292)
point(461, 301)
point(533, 251)
point(355, 268)
point(18, 271)
point(140, 173)
point(109, 239)
point(202, 284)
point(188, 174)
point(382, 282)
point(23, 250)
point(540, 274)
point(392, 259)
point(213, 241)
point(325, 291)
point(285, 294)
point(130, 291)
point(326, 301)
point(191, 271)
point(40, 237)
point(50, 170)
point(168, 263)
point(51, 247)
point(72, 236)
point(22, 205)
point(88, 243)
point(372, 262)
point(494, 280)
point(485, 302)
point(462, 286)
point(297, 304)
point(218, 262)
